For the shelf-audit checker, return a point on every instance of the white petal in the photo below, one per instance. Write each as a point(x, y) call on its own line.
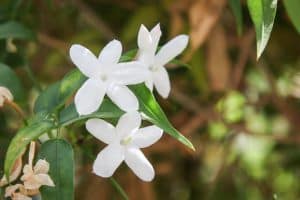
point(155, 35)
point(144, 38)
point(139, 164)
point(84, 60)
point(130, 73)
point(170, 50)
point(108, 160)
point(101, 129)
point(41, 167)
point(44, 179)
point(149, 84)
point(128, 123)
point(89, 97)
point(147, 136)
point(123, 98)
point(162, 82)
point(111, 53)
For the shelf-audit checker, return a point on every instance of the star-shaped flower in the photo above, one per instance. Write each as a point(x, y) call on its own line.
point(154, 62)
point(106, 76)
point(124, 143)
point(35, 177)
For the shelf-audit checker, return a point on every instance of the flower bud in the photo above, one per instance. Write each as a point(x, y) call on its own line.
point(5, 95)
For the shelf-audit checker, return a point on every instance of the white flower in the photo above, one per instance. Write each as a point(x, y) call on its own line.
point(5, 95)
point(106, 76)
point(124, 143)
point(11, 191)
point(35, 177)
point(154, 62)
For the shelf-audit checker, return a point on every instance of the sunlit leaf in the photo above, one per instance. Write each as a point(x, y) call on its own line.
point(13, 29)
point(153, 113)
point(263, 14)
point(293, 7)
point(59, 154)
point(23, 137)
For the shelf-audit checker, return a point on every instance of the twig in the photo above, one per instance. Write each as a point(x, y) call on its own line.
point(94, 20)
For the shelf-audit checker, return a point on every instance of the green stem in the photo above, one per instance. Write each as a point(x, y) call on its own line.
point(32, 78)
point(118, 187)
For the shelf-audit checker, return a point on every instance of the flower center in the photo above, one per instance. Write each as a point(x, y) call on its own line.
point(103, 77)
point(153, 68)
point(126, 141)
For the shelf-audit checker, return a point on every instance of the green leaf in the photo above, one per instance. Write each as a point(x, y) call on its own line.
point(236, 8)
point(56, 95)
point(23, 137)
point(108, 109)
point(10, 80)
point(153, 113)
point(59, 154)
point(293, 7)
point(263, 14)
point(13, 29)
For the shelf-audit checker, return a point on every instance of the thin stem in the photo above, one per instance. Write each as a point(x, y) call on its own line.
point(118, 187)
point(17, 108)
point(32, 78)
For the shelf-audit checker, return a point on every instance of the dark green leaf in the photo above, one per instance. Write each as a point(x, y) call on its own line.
point(23, 137)
point(13, 29)
point(236, 8)
point(56, 95)
point(263, 14)
point(9, 79)
point(293, 7)
point(153, 113)
point(59, 154)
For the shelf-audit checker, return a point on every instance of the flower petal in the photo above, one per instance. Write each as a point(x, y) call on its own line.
point(101, 129)
point(11, 189)
point(44, 179)
point(147, 136)
point(139, 164)
point(108, 160)
point(162, 82)
point(144, 38)
point(128, 123)
point(32, 183)
point(155, 35)
point(130, 73)
point(19, 196)
point(149, 84)
point(89, 97)
point(123, 97)
point(170, 50)
point(41, 167)
point(111, 53)
point(85, 60)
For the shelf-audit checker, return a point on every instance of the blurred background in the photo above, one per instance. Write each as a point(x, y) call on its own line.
point(242, 115)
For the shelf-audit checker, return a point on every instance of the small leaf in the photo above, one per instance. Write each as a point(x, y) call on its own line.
point(56, 95)
point(23, 137)
point(293, 7)
point(153, 113)
point(12, 29)
point(263, 14)
point(236, 8)
point(59, 154)
point(9, 79)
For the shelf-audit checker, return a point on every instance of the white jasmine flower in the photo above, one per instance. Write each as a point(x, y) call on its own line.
point(35, 177)
point(154, 62)
point(5, 95)
point(106, 76)
point(124, 143)
point(15, 192)
point(16, 171)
